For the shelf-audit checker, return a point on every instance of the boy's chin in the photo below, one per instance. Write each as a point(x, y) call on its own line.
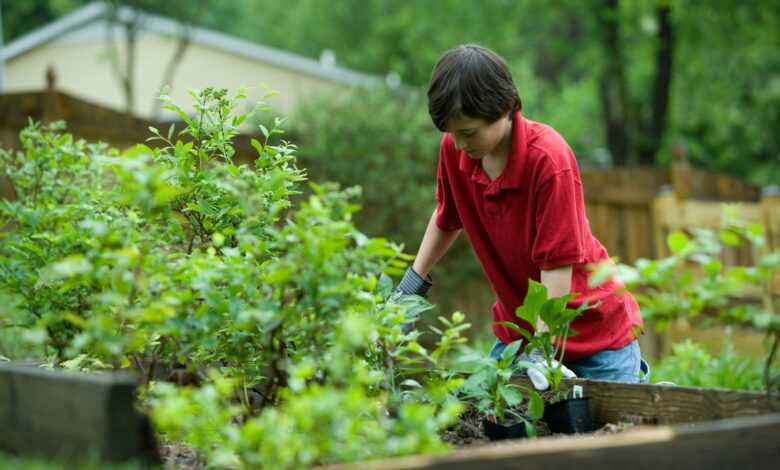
point(474, 156)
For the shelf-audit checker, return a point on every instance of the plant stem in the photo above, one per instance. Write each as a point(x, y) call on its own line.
point(769, 381)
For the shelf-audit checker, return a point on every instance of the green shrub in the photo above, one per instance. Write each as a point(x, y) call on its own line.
point(176, 257)
point(691, 364)
point(384, 142)
point(694, 283)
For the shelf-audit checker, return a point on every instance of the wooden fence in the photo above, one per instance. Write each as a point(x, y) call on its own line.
point(620, 203)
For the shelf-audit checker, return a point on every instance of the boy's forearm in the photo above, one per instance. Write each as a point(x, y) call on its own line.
point(434, 245)
point(558, 283)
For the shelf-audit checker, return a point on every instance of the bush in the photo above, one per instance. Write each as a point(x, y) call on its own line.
point(384, 142)
point(690, 364)
point(174, 257)
point(693, 283)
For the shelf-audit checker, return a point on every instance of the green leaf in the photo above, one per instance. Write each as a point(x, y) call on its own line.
point(730, 237)
point(385, 286)
point(516, 328)
point(411, 383)
point(534, 299)
point(73, 265)
point(677, 241)
point(535, 405)
point(511, 349)
point(511, 394)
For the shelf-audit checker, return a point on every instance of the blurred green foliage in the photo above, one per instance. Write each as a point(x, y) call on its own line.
point(175, 261)
point(695, 284)
point(690, 364)
point(384, 142)
point(724, 84)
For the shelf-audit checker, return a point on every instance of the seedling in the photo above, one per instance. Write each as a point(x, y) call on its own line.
point(551, 343)
point(490, 389)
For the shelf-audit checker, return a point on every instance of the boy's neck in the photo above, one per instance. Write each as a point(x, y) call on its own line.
point(501, 152)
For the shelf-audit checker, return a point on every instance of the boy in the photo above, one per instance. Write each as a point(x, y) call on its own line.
point(514, 186)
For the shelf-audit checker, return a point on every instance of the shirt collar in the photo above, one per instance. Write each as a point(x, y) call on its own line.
point(512, 175)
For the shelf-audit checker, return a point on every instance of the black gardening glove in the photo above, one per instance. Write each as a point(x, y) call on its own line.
point(412, 284)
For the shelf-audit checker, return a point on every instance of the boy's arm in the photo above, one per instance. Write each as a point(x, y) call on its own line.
point(558, 283)
point(434, 245)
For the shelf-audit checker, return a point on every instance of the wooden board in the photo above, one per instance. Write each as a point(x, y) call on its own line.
point(72, 415)
point(613, 402)
point(737, 443)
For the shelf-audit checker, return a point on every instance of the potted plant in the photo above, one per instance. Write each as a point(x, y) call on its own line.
point(490, 390)
point(563, 414)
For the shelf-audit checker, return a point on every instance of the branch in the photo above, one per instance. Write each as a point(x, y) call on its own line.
point(769, 382)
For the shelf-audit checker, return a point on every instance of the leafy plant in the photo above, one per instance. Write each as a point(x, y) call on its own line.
point(691, 364)
point(383, 141)
point(552, 341)
point(173, 260)
point(490, 390)
point(489, 386)
point(694, 283)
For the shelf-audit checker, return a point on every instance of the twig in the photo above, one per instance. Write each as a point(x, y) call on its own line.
point(768, 380)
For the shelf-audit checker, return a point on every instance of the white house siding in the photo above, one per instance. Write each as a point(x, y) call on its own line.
point(80, 60)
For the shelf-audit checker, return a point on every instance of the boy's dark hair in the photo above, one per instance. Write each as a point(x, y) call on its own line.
point(474, 81)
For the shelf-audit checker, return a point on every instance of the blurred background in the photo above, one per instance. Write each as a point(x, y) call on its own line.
point(679, 97)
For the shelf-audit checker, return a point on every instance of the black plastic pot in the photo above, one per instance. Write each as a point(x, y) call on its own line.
point(499, 432)
point(568, 416)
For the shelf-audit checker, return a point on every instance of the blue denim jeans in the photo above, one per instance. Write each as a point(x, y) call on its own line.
point(619, 365)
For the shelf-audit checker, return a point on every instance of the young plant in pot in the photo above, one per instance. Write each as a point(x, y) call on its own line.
point(564, 414)
point(491, 392)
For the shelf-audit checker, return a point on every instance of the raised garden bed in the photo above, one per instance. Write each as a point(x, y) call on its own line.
point(72, 415)
point(65, 414)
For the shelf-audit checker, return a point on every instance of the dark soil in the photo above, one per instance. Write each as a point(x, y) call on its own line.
point(468, 431)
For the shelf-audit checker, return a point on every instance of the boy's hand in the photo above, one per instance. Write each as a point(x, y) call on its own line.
point(413, 284)
point(538, 369)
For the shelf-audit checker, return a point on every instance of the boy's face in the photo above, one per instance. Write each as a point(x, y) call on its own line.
point(478, 138)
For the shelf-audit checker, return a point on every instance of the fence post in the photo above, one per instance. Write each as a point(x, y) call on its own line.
point(52, 100)
point(664, 205)
point(770, 208)
point(770, 212)
point(682, 178)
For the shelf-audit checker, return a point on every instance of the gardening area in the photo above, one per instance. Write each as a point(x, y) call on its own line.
point(213, 281)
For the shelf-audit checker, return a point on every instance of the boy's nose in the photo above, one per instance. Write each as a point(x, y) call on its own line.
point(460, 144)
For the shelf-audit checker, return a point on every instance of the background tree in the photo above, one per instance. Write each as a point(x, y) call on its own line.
point(621, 79)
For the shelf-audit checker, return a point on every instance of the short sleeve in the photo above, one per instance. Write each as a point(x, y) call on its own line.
point(560, 219)
point(447, 217)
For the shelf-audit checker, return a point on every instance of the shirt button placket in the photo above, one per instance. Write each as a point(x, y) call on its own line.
point(492, 207)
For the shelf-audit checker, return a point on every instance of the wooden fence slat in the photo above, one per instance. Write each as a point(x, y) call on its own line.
point(72, 415)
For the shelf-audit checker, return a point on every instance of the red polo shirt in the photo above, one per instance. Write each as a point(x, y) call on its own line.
point(532, 217)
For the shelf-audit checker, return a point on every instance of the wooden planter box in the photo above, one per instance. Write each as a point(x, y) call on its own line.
point(696, 428)
point(71, 415)
point(63, 414)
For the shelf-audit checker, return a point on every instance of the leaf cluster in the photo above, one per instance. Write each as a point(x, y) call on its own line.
point(175, 261)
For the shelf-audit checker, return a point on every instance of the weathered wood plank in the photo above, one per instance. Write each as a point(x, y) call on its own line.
point(737, 443)
point(613, 402)
point(71, 415)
